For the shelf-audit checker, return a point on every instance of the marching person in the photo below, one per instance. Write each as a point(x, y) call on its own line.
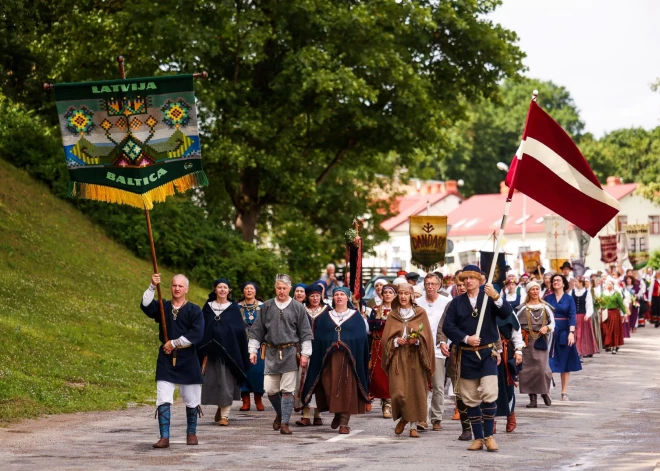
point(408, 360)
point(250, 309)
point(338, 369)
point(654, 296)
point(564, 357)
point(585, 339)
point(378, 381)
point(507, 369)
point(378, 291)
point(435, 303)
point(184, 324)
point(477, 362)
point(536, 322)
point(223, 351)
point(282, 325)
point(314, 306)
point(299, 292)
point(614, 312)
point(460, 411)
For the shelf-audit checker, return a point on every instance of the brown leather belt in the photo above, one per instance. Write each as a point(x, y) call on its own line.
point(482, 347)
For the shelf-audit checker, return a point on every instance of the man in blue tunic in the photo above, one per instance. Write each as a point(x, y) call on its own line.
point(477, 357)
point(185, 328)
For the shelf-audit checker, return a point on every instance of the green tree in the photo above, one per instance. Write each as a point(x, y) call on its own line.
point(298, 89)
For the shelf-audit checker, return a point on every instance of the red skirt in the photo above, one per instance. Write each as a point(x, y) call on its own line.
point(379, 383)
point(585, 340)
point(612, 329)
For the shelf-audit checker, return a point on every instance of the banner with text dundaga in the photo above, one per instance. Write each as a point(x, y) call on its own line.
point(428, 241)
point(130, 141)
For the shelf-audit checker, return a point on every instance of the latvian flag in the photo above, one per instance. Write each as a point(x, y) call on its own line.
point(550, 169)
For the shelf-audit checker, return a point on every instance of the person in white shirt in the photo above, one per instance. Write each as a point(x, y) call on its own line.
point(435, 303)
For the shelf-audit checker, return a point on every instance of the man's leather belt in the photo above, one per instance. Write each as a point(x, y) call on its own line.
point(481, 347)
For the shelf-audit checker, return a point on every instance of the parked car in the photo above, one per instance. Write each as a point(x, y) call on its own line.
point(370, 291)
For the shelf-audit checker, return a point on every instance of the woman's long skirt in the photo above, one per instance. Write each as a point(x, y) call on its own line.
point(584, 336)
point(535, 376)
point(339, 392)
point(563, 358)
point(598, 334)
point(634, 316)
point(378, 380)
point(612, 329)
point(220, 387)
point(506, 397)
point(255, 378)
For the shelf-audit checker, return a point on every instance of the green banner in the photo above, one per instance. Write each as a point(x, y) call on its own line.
point(131, 141)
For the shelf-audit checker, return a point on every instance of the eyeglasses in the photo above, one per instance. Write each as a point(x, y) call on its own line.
point(431, 284)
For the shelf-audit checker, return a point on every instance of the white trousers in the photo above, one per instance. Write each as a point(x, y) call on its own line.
point(286, 383)
point(190, 393)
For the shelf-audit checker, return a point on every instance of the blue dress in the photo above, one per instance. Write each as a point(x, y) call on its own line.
point(255, 375)
point(563, 359)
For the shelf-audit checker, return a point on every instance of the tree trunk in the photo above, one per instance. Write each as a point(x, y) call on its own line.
point(247, 203)
point(246, 222)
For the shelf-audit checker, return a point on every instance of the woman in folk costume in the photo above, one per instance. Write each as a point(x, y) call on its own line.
point(614, 315)
point(338, 368)
point(536, 323)
point(564, 357)
point(379, 387)
point(250, 308)
point(408, 352)
point(378, 293)
point(299, 292)
point(596, 294)
point(513, 293)
point(223, 351)
point(314, 306)
point(628, 302)
point(585, 339)
point(546, 287)
point(634, 289)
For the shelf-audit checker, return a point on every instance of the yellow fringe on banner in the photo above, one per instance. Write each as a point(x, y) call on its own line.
point(146, 200)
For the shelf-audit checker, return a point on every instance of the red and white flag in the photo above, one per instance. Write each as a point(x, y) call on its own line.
point(550, 169)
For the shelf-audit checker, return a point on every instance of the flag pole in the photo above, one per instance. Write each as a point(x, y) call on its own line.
point(152, 246)
point(507, 206)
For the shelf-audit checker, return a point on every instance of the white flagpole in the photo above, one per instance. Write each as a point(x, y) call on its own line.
point(519, 155)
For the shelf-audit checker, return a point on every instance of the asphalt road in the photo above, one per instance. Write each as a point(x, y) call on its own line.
point(611, 423)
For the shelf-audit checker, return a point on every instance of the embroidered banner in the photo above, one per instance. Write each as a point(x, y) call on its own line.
point(130, 141)
point(621, 247)
point(499, 276)
point(532, 261)
point(638, 245)
point(583, 241)
point(556, 237)
point(469, 257)
point(608, 248)
point(556, 263)
point(428, 241)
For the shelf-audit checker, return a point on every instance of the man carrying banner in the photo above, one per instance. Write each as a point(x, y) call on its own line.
point(282, 325)
point(477, 358)
point(184, 323)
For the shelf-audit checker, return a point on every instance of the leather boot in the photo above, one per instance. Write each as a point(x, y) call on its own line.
point(490, 443)
point(511, 422)
point(162, 443)
point(400, 427)
point(466, 436)
point(277, 423)
point(532, 402)
point(246, 401)
point(546, 399)
point(387, 411)
point(457, 415)
point(191, 439)
point(477, 445)
point(285, 430)
point(257, 402)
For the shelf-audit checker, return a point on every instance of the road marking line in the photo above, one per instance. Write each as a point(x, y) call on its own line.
point(341, 437)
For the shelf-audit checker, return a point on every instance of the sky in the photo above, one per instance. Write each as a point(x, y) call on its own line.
point(605, 52)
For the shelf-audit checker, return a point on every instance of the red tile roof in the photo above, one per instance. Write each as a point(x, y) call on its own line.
point(481, 214)
point(411, 205)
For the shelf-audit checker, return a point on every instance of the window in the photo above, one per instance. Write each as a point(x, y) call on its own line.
point(621, 223)
point(654, 225)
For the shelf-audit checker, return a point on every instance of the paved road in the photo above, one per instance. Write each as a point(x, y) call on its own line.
point(611, 423)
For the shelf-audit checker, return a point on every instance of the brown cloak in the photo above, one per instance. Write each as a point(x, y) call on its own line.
point(409, 367)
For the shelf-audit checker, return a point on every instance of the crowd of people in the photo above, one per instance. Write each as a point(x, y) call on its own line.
point(318, 347)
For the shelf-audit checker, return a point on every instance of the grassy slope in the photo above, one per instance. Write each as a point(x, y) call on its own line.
point(72, 335)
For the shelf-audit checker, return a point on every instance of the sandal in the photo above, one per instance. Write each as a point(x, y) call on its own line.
point(564, 397)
